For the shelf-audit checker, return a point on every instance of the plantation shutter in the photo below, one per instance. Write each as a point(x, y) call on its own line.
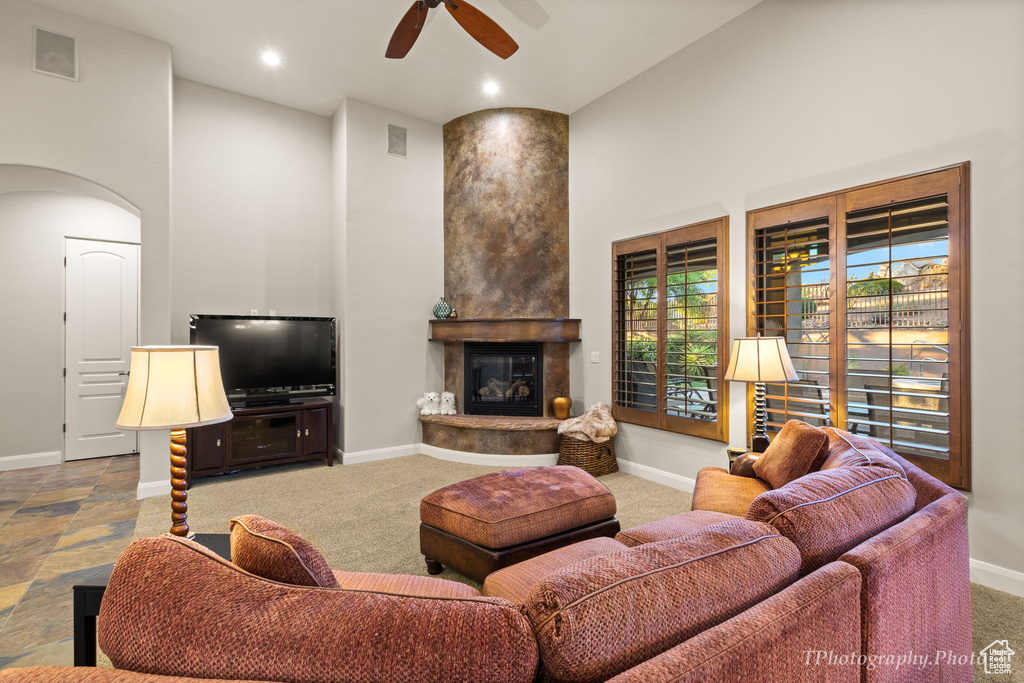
point(636, 338)
point(897, 312)
point(670, 330)
point(883, 350)
point(792, 272)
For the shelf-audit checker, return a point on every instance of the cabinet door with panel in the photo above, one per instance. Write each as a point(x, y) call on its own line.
point(314, 431)
point(206, 448)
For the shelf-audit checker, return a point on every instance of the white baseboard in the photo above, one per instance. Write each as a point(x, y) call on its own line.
point(493, 460)
point(379, 454)
point(676, 481)
point(151, 489)
point(18, 462)
point(997, 577)
point(507, 460)
point(489, 459)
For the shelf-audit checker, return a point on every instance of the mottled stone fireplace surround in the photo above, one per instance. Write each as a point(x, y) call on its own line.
point(506, 270)
point(501, 435)
point(487, 435)
point(553, 334)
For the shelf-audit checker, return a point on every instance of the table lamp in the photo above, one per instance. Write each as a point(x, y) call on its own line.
point(760, 360)
point(174, 387)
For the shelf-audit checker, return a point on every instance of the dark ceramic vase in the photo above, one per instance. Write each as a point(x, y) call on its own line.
point(442, 309)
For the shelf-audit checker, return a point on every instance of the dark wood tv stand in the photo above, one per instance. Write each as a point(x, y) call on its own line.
point(263, 435)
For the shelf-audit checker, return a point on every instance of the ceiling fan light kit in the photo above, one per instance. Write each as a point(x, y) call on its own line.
point(477, 24)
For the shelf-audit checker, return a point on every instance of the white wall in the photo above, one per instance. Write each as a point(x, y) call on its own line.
point(33, 226)
point(111, 127)
point(251, 207)
point(796, 98)
point(393, 275)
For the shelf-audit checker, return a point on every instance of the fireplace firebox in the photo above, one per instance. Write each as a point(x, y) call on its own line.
point(504, 378)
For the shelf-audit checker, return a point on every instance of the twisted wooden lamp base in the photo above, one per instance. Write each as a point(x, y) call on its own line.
point(179, 485)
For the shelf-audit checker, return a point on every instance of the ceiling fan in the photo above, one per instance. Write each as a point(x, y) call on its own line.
point(477, 24)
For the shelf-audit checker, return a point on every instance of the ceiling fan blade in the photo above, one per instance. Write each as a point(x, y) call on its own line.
point(483, 29)
point(407, 31)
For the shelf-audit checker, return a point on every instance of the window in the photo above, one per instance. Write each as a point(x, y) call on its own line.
point(670, 328)
point(869, 288)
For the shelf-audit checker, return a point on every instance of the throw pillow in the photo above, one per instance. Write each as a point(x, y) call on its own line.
point(267, 549)
point(796, 450)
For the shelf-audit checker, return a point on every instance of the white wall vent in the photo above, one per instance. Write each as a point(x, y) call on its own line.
point(397, 141)
point(55, 54)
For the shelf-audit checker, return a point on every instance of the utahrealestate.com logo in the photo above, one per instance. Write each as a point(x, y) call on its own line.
point(996, 657)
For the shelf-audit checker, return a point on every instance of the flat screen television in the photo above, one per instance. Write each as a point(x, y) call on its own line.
point(270, 358)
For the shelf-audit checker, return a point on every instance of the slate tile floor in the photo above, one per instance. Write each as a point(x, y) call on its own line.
point(59, 526)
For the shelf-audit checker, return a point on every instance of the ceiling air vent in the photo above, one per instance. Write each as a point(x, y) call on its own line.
point(397, 142)
point(55, 54)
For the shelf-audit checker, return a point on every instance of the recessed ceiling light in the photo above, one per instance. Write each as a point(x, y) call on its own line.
point(271, 58)
point(490, 87)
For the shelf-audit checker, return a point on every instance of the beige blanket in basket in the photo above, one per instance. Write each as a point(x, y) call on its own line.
point(597, 425)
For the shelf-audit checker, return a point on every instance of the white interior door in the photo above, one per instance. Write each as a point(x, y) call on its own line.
point(102, 303)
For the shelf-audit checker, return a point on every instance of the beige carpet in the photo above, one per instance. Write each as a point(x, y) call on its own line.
point(366, 518)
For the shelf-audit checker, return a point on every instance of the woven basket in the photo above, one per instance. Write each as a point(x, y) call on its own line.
point(593, 458)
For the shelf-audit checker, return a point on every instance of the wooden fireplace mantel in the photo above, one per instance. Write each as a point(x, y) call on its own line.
point(505, 330)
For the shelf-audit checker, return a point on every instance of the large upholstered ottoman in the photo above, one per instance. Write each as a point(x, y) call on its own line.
point(483, 524)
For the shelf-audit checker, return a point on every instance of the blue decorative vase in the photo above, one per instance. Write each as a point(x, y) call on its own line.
point(442, 309)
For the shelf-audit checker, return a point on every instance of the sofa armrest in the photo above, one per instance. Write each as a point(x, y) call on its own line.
point(743, 466)
point(920, 566)
point(718, 491)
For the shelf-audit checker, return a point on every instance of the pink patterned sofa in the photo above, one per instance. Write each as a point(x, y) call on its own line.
point(862, 504)
point(175, 613)
point(863, 558)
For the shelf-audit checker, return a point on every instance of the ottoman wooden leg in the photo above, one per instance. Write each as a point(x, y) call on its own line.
point(433, 566)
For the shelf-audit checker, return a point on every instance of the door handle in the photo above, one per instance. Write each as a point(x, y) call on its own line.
point(298, 434)
point(218, 443)
point(307, 432)
point(124, 374)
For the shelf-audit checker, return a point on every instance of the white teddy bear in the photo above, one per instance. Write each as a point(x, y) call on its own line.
point(430, 404)
point(448, 405)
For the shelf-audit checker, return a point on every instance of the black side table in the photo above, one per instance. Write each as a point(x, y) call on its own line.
point(87, 599)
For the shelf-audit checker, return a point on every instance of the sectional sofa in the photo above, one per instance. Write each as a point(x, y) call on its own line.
point(831, 559)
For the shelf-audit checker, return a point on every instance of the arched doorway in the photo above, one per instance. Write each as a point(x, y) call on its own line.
point(42, 211)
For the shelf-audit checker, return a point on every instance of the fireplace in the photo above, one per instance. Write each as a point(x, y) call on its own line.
point(504, 378)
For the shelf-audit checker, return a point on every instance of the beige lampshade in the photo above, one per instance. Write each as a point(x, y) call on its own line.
point(174, 387)
point(760, 359)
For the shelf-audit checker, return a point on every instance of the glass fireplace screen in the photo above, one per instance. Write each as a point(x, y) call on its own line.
point(504, 379)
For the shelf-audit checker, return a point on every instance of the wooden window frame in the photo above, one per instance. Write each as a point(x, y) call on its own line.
point(954, 182)
point(717, 229)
